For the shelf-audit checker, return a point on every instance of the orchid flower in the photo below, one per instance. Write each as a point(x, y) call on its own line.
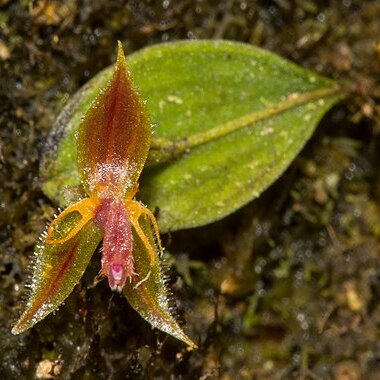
point(113, 142)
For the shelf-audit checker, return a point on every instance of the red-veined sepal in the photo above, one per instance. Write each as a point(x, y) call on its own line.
point(114, 136)
point(146, 292)
point(58, 267)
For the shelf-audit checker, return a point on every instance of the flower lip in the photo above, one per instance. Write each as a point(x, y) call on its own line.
point(117, 271)
point(116, 277)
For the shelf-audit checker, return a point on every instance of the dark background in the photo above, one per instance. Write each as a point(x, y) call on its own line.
point(287, 287)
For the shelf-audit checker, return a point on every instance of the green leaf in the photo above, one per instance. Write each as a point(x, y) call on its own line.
point(229, 119)
point(149, 297)
point(57, 269)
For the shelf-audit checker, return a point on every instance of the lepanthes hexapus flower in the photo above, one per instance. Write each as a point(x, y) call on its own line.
point(113, 142)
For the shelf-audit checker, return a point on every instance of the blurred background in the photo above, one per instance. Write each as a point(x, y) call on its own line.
point(287, 287)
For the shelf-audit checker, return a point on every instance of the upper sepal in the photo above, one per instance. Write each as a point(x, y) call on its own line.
point(114, 136)
point(58, 267)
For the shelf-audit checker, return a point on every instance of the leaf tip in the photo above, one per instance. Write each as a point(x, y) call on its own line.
point(16, 329)
point(24, 323)
point(191, 346)
point(120, 60)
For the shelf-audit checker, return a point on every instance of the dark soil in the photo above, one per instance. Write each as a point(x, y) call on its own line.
point(287, 287)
